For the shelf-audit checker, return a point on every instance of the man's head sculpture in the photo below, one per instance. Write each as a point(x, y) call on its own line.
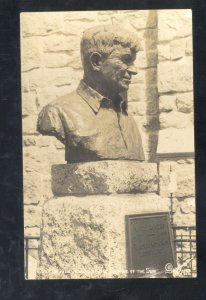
point(93, 122)
point(108, 53)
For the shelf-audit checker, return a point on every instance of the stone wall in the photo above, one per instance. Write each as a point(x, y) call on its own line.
point(176, 111)
point(184, 196)
point(175, 74)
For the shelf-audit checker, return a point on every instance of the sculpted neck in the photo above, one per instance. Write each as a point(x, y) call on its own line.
point(101, 87)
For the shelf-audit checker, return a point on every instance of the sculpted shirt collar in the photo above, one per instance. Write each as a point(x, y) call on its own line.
point(95, 100)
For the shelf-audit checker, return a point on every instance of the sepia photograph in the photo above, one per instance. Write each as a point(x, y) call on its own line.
point(108, 144)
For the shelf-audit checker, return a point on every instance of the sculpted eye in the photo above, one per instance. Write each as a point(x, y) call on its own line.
point(127, 59)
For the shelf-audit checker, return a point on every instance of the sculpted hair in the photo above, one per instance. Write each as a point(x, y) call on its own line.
point(103, 39)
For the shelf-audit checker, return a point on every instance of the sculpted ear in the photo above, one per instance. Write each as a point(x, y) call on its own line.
point(96, 61)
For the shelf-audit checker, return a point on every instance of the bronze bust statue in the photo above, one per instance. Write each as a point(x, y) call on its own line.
point(93, 121)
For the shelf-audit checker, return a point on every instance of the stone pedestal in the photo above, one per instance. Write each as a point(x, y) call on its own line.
point(104, 177)
point(83, 232)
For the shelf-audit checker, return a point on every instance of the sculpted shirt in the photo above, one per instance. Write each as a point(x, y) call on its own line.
point(91, 126)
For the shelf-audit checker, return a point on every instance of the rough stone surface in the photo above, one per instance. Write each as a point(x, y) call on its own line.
point(45, 95)
point(163, 52)
point(177, 49)
point(49, 77)
point(31, 58)
point(167, 103)
point(51, 60)
point(37, 169)
point(29, 141)
point(137, 108)
point(175, 76)
point(52, 24)
point(32, 231)
point(185, 102)
point(29, 104)
point(174, 24)
point(188, 50)
point(104, 177)
point(185, 178)
point(173, 140)
point(32, 215)
point(58, 144)
point(142, 21)
point(175, 119)
point(139, 78)
point(32, 188)
point(29, 125)
point(182, 219)
point(84, 237)
point(137, 93)
point(183, 211)
point(43, 141)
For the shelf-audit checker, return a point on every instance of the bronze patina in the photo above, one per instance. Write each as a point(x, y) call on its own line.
point(93, 122)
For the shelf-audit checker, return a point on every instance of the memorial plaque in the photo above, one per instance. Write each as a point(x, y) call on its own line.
point(149, 242)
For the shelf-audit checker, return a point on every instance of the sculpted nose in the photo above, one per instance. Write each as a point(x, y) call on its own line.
point(132, 70)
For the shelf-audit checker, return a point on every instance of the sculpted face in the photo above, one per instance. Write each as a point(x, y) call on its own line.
point(117, 69)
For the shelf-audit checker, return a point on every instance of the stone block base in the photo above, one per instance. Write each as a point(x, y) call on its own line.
point(104, 177)
point(84, 237)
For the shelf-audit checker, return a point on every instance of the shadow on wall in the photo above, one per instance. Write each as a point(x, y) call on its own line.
point(152, 103)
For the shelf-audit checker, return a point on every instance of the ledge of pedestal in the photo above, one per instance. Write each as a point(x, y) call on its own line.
point(85, 237)
point(104, 177)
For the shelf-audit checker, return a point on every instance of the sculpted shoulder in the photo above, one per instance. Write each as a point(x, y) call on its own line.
point(60, 114)
point(70, 101)
point(72, 104)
